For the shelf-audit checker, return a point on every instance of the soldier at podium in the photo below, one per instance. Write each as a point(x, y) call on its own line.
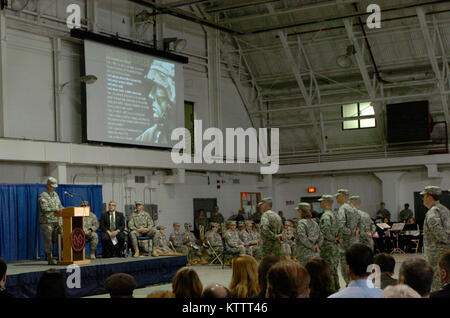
point(49, 204)
point(140, 224)
point(90, 227)
point(112, 225)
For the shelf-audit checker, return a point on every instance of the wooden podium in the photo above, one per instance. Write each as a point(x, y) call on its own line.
point(73, 237)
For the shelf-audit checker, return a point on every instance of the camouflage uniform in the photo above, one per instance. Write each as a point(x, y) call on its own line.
point(232, 240)
point(307, 236)
point(288, 244)
point(257, 249)
point(138, 221)
point(271, 226)
point(190, 241)
point(349, 220)
point(176, 238)
point(215, 240)
point(160, 242)
point(256, 217)
point(330, 251)
point(366, 224)
point(246, 239)
point(50, 227)
point(436, 235)
point(91, 223)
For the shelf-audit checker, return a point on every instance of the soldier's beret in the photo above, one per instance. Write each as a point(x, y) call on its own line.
point(120, 284)
point(355, 198)
point(432, 190)
point(160, 227)
point(304, 206)
point(53, 182)
point(138, 203)
point(342, 192)
point(265, 200)
point(326, 197)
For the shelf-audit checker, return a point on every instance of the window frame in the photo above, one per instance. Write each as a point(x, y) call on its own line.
point(359, 120)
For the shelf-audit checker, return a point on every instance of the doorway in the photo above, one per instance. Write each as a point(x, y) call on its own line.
point(205, 204)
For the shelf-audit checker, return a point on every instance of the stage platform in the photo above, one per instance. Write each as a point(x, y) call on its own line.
point(23, 277)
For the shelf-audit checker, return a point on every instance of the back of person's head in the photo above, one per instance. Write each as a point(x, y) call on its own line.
point(120, 285)
point(187, 284)
point(358, 258)
point(400, 291)
point(51, 285)
point(266, 263)
point(444, 267)
point(320, 275)
point(244, 279)
point(418, 275)
point(216, 291)
point(161, 294)
point(287, 279)
point(3, 268)
point(386, 262)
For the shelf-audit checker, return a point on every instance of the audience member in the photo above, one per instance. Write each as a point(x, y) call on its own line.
point(383, 212)
point(186, 284)
point(287, 279)
point(244, 279)
point(387, 264)
point(400, 291)
point(120, 285)
point(418, 275)
point(320, 285)
point(51, 285)
point(444, 274)
point(161, 294)
point(359, 258)
point(264, 266)
point(3, 293)
point(216, 291)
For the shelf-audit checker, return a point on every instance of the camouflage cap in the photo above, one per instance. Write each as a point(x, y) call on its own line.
point(214, 224)
point(248, 222)
point(288, 223)
point(176, 223)
point(84, 203)
point(187, 224)
point(304, 206)
point(355, 198)
point(241, 223)
point(160, 227)
point(53, 182)
point(138, 203)
point(265, 200)
point(231, 222)
point(342, 192)
point(120, 284)
point(433, 190)
point(326, 197)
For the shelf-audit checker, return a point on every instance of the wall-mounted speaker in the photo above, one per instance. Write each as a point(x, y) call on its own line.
point(407, 122)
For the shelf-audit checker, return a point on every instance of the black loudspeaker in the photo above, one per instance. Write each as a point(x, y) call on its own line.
point(408, 122)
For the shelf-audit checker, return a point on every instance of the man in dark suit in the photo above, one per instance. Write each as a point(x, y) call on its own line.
point(112, 226)
point(444, 274)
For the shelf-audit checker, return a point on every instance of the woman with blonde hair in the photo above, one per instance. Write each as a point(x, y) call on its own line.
point(308, 237)
point(187, 284)
point(244, 280)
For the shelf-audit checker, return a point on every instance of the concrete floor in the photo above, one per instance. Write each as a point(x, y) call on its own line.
point(215, 274)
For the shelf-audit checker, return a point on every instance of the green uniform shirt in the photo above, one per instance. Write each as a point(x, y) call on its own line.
point(48, 204)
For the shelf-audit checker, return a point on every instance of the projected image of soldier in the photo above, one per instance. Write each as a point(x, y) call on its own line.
point(163, 99)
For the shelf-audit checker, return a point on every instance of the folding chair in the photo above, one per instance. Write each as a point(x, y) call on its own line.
point(217, 257)
point(227, 253)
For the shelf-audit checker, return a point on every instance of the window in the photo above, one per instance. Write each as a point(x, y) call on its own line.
point(189, 121)
point(358, 110)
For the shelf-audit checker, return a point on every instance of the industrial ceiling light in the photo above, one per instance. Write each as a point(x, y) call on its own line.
point(178, 44)
point(88, 79)
point(345, 61)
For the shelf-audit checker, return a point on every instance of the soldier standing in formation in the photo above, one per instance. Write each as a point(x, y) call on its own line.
point(190, 241)
point(176, 238)
point(214, 239)
point(436, 231)
point(330, 250)
point(271, 229)
point(90, 227)
point(348, 229)
point(308, 237)
point(49, 207)
point(367, 229)
point(232, 240)
point(140, 224)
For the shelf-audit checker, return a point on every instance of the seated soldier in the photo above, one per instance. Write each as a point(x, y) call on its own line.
point(189, 240)
point(255, 238)
point(214, 239)
point(140, 224)
point(232, 241)
point(90, 227)
point(161, 243)
point(176, 240)
point(245, 237)
point(286, 240)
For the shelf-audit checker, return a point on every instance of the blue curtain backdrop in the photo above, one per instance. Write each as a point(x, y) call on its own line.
point(20, 234)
